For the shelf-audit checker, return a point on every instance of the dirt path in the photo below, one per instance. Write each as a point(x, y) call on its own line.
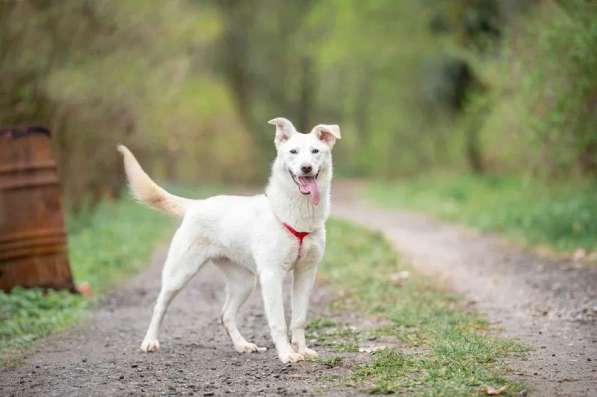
point(101, 356)
point(551, 306)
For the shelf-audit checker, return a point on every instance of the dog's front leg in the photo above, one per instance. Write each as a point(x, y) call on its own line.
point(302, 284)
point(273, 302)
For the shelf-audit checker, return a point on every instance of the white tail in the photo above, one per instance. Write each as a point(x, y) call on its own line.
point(147, 191)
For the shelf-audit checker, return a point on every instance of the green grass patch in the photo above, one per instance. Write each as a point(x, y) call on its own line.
point(330, 362)
point(26, 315)
point(105, 245)
point(337, 337)
point(448, 351)
point(562, 216)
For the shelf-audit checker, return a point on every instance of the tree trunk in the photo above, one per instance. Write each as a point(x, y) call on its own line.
point(307, 96)
point(473, 151)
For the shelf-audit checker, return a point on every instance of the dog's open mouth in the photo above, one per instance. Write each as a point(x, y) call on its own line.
point(308, 185)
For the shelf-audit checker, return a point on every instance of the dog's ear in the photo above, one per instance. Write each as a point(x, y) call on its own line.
point(284, 129)
point(327, 133)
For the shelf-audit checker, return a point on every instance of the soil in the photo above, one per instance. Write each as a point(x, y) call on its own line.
point(548, 304)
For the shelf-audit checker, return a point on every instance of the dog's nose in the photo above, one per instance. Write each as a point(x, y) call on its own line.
point(306, 169)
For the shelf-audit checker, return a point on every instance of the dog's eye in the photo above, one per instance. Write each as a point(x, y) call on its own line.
point(293, 151)
point(315, 151)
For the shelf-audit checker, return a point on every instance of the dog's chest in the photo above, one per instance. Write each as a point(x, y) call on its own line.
point(306, 253)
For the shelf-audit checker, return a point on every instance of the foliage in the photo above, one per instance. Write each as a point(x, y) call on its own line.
point(563, 216)
point(102, 73)
point(539, 111)
point(444, 350)
point(494, 86)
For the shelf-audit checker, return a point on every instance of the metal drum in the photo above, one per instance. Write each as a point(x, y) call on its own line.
point(33, 243)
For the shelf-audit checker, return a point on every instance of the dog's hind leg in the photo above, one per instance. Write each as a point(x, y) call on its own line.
point(183, 261)
point(239, 285)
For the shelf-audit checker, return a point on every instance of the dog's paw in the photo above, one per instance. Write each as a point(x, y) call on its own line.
point(290, 357)
point(150, 345)
point(309, 353)
point(305, 351)
point(249, 348)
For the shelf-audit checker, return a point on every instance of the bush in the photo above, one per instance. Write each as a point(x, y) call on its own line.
point(540, 109)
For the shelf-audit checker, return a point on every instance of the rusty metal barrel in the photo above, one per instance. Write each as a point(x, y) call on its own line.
point(33, 242)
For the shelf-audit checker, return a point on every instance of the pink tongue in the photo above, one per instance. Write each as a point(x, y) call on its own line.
point(310, 185)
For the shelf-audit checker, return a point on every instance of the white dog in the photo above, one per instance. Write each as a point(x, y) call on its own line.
point(249, 238)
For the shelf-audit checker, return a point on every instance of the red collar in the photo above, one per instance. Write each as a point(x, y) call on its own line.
point(299, 235)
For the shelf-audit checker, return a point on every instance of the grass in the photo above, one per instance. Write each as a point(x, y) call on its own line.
point(445, 350)
point(26, 315)
point(106, 245)
point(330, 362)
point(562, 217)
point(338, 337)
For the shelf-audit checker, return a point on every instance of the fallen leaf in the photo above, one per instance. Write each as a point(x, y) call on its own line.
point(84, 289)
point(492, 391)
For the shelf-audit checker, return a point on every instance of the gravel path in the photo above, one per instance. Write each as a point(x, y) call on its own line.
point(549, 305)
point(101, 357)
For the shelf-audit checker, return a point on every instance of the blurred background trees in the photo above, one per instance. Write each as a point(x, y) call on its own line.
point(465, 85)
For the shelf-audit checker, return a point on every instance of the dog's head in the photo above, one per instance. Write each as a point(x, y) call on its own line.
point(305, 157)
